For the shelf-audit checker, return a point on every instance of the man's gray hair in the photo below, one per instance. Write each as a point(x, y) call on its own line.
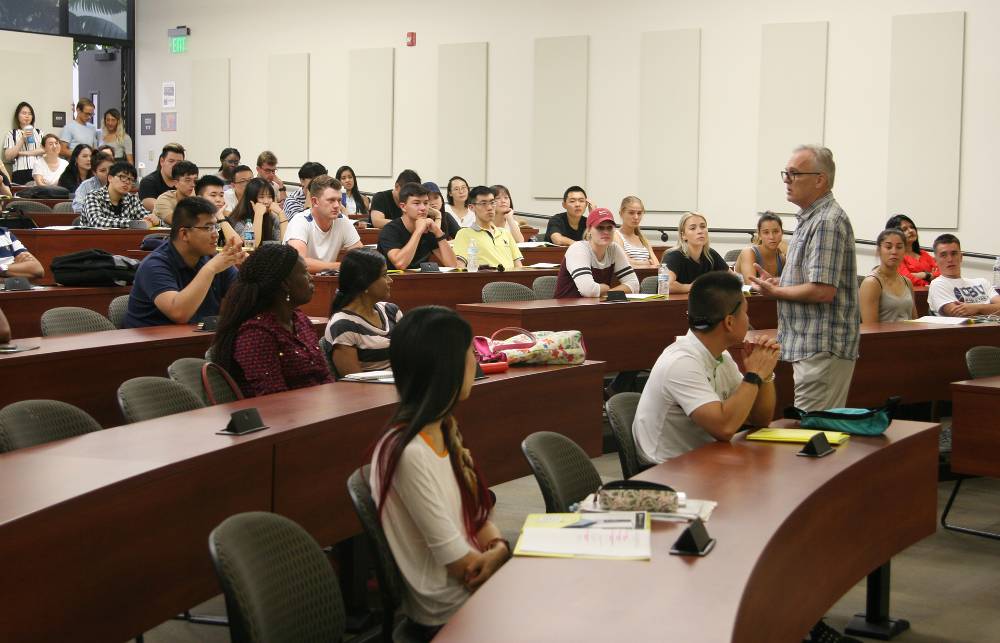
point(823, 158)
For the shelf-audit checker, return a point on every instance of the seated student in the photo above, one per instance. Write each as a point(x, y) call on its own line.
point(591, 267)
point(15, 260)
point(765, 251)
point(695, 394)
point(635, 244)
point(211, 188)
point(183, 281)
point(242, 175)
point(319, 234)
point(263, 340)
point(438, 211)
point(185, 175)
point(692, 257)
point(494, 246)
point(156, 183)
point(952, 295)
point(433, 502)
point(413, 238)
point(79, 168)
point(298, 200)
point(385, 204)
point(114, 205)
point(567, 227)
point(49, 166)
point(886, 295)
point(357, 203)
point(257, 217)
point(229, 160)
point(504, 217)
point(102, 163)
point(918, 265)
point(267, 169)
point(458, 200)
point(361, 320)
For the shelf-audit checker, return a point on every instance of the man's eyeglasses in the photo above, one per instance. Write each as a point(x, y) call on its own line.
point(213, 227)
point(791, 175)
point(125, 178)
point(485, 203)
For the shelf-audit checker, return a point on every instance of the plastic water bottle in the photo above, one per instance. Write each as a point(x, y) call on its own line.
point(248, 237)
point(473, 253)
point(996, 276)
point(663, 280)
point(343, 196)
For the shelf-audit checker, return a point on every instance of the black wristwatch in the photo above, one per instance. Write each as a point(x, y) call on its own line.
point(443, 237)
point(753, 378)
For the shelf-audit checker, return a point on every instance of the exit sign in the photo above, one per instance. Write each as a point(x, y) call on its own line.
point(178, 44)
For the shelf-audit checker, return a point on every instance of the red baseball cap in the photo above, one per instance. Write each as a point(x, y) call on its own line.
point(598, 216)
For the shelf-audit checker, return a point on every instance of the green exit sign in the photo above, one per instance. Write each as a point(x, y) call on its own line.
point(178, 45)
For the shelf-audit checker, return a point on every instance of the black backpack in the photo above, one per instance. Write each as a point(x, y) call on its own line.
point(94, 268)
point(44, 192)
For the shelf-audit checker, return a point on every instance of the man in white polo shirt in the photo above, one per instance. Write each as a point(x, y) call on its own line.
point(320, 233)
point(951, 294)
point(695, 394)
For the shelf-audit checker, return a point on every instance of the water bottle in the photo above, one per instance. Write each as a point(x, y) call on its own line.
point(663, 280)
point(473, 253)
point(248, 237)
point(343, 196)
point(996, 276)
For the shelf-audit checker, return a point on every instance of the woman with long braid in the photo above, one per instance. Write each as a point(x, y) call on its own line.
point(361, 320)
point(433, 502)
point(263, 340)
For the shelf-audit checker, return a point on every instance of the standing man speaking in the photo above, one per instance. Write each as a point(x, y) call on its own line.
point(818, 314)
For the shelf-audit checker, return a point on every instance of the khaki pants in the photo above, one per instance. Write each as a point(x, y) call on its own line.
point(822, 381)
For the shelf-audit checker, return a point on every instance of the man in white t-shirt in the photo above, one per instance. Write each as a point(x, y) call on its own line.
point(320, 233)
point(695, 394)
point(951, 294)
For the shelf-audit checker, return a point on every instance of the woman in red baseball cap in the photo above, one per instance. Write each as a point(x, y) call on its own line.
point(595, 265)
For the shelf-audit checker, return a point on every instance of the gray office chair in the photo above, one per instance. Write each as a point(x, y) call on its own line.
point(64, 207)
point(147, 398)
point(27, 205)
point(188, 371)
point(117, 309)
point(621, 413)
point(562, 469)
point(648, 285)
point(278, 583)
point(732, 255)
point(66, 320)
point(507, 291)
point(327, 348)
point(544, 287)
point(390, 581)
point(30, 422)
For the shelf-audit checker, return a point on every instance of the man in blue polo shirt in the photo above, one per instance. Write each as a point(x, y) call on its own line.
point(185, 279)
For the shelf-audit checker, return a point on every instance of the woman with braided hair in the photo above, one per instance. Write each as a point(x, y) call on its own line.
point(433, 503)
point(265, 342)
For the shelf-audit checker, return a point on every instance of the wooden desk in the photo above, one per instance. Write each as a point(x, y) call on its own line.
point(975, 428)
point(112, 527)
point(625, 336)
point(48, 244)
point(43, 219)
point(24, 308)
point(771, 575)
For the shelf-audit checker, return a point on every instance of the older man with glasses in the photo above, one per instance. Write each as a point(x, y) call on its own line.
point(114, 205)
point(818, 313)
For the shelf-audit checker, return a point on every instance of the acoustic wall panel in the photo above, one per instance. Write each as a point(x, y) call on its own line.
point(209, 125)
point(559, 127)
point(462, 123)
point(669, 108)
point(369, 139)
point(288, 108)
point(925, 117)
point(792, 102)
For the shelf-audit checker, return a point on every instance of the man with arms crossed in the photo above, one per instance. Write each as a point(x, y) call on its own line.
point(385, 204)
point(413, 238)
point(320, 233)
point(567, 227)
point(951, 294)
point(695, 394)
point(818, 313)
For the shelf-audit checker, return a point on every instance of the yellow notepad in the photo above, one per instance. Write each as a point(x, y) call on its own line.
point(620, 535)
point(772, 434)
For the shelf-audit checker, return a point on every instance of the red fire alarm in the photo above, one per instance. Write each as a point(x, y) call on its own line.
point(411, 38)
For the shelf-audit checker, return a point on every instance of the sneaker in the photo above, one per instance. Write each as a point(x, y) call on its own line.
point(823, 633)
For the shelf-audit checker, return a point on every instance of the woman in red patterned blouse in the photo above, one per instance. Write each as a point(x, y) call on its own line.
point(263, 339)
point(918, 265)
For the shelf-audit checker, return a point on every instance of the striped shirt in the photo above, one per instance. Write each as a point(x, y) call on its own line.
point(295, 203)
point(581, 273)
point(820, 251)
point(10, 247)
point(372, 342)
point(22, 162)
point(634, 252)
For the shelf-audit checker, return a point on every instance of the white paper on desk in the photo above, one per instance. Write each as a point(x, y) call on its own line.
point(590, 543)
point(943, 321)
point(535, 244)
point(543, 266)
point(60, 227)
point(370, 376)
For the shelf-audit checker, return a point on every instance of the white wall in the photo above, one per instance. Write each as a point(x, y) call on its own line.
point(857, 89)
point(40, 71)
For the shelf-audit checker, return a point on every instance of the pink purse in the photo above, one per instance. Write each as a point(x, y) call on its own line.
point(489, 349)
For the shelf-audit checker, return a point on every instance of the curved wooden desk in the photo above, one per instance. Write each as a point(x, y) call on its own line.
point(794, 534)
point(24, 308)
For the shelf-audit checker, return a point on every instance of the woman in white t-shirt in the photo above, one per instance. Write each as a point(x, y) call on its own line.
point(433, 502)
point(49, 167)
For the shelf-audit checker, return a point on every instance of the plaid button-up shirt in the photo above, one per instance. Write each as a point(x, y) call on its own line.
point(99, 212)
point(820, 251)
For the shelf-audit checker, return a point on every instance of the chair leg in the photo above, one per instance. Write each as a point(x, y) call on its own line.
point(199, 619)
point(965, 530)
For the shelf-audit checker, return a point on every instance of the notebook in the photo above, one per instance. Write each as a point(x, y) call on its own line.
point(620, 535)
point(801, 436)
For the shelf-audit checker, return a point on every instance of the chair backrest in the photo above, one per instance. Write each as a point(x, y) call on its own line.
point(30, 422)
point(564, 472)
point(983, 361)
point(544, 287)
point(621, 413)
point(70, 319)
point(188, 371)
point(117, 309)
point(278, 583)
point(327, 348)
point(390, 581)
point(27, 205)
point(507, 291)
point(146, 398)
point(648, 285)
point(732, 255)
point(64, 207)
